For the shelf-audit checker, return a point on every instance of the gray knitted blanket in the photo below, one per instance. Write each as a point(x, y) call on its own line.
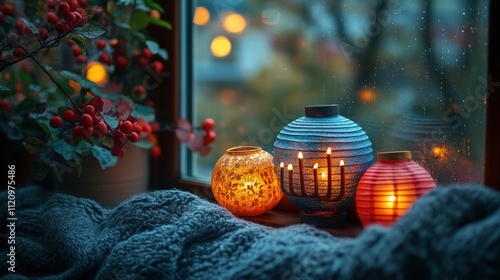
point(452, 233)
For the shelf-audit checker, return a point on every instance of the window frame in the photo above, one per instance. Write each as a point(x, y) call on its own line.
point(166, 169)
point(492, 133)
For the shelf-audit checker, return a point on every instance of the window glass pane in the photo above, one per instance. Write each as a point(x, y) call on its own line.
point(412, 74)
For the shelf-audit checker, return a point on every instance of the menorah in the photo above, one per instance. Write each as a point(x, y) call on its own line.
point(325, 155)
point(316, 194)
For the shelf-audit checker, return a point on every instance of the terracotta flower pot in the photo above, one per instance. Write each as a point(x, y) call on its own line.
point(112, 185)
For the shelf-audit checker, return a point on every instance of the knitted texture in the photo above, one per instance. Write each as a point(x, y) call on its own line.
point(451, 233)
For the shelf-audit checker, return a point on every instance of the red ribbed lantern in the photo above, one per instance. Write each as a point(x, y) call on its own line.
point(389, 188)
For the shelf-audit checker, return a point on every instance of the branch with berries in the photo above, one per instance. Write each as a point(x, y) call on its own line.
point(99, 116)
point(198, 140)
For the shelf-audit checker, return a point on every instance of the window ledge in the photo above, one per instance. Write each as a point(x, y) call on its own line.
point(279, 217)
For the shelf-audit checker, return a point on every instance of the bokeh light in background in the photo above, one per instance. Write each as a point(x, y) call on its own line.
point(97, 73)
point(228, 96)
point(270, 16)
point(367, 95)
point(220, 46)
point(201, 16)
point(234, 23)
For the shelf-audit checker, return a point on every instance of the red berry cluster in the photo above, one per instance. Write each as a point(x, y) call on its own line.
point(143, 58)
point(85, 124)
point(88, 123)
point(196, 142)
point(120, 60)
point(116, 55)
point(119, 49)
point(126, 131)
point(5, 104)
point(155, 150)
point(62, 17)
point(208, 125)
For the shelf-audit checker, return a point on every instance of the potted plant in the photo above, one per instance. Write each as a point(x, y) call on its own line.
point(75, 80)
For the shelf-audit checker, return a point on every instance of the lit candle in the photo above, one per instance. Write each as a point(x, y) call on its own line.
point(315, 178)
point(282, 175)
point(329, 170)
point(301, 173)
point(342, 178)
point(290, 178)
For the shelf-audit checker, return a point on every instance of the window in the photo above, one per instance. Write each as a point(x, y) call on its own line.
point(411, 73)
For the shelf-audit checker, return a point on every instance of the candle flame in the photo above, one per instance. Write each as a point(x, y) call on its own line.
point(341, 162)
point(315, 166)
point(290, 167)
point(282, 165)
point(329, 151)
point(300, 155)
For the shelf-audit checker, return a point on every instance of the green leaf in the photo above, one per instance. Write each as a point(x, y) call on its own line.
point(45, 128)
point(4, 88)
point(78, 168)
point(144, 144)
point(29, 127)
point(154, 5)
point(30, 25)
point(79, 79)
point(111, 121)
point(163, 54)
point(154, 47)
point(15, 135)
point(125, 2)
point(161, 23)
point(6, 92)
point(39, 169)
point(91, 31)
point(33, 145)
point(35, 88)
point(80, 40)
point(104, 157)
point(107, 141)
point(83, 147)
point(80, 45)
point(122, 25)
point(26, 106)
point(44, 123)
point(139, 20)
point(65, 149)
point(145, 112)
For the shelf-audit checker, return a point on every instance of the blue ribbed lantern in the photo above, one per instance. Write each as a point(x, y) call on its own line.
point(312, 135)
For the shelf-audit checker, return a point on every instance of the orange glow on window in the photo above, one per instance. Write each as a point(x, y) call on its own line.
point(439, 152)
point(367, 95)
point(220, 46)
point(234, 23)
point(201, 16)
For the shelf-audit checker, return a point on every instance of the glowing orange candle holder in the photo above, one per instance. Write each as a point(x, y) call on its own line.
point(388, 189)
point(244, 181)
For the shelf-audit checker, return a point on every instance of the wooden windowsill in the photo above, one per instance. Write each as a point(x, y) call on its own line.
point(284, 214)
